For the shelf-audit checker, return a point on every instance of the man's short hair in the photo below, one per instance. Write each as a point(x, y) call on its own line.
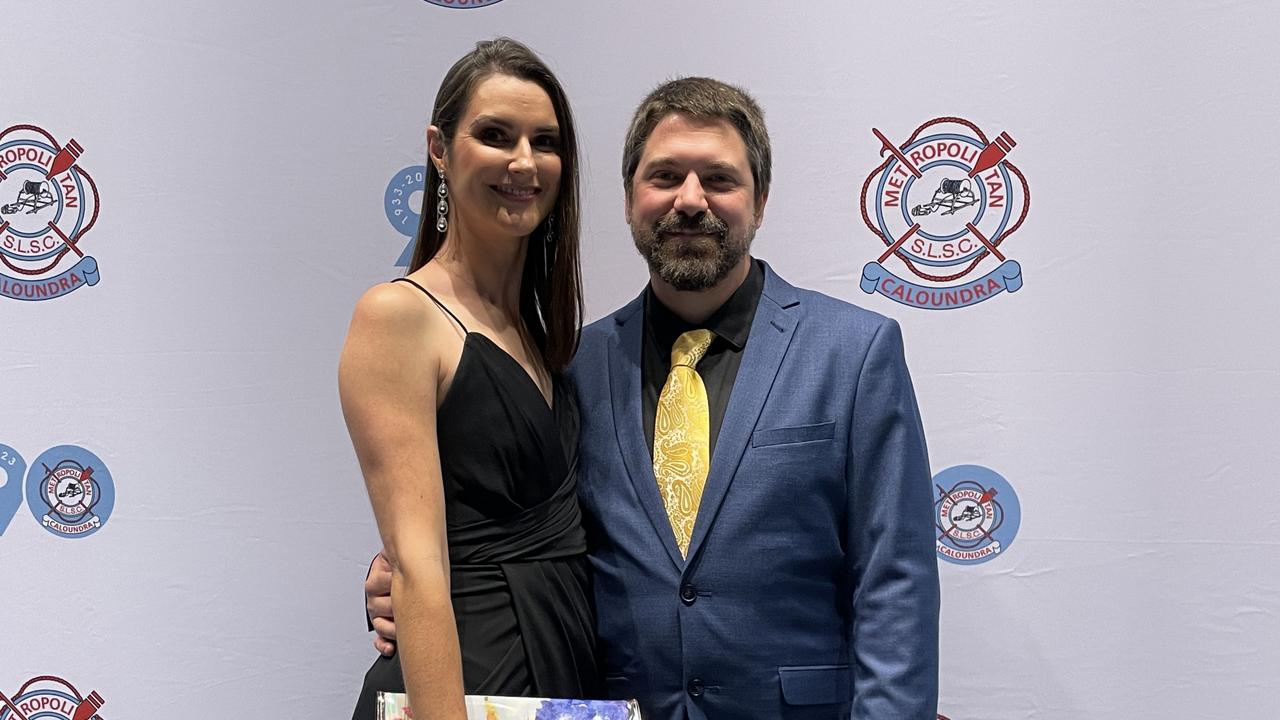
point(705, 99)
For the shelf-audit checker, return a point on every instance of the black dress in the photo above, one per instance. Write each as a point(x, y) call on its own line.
point(521, 586)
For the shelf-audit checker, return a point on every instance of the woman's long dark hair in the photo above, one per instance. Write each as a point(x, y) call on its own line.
point(551, 285)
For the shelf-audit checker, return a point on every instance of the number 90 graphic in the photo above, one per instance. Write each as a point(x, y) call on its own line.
point(12, 468)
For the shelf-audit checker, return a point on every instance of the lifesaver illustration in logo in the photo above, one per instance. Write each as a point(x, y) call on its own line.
point(403, 204)
point(943, 203)
point(976, 514)
point(12, 468)
point(70, 491)
point(464, 4)
point(50, 698)
point(47, 205)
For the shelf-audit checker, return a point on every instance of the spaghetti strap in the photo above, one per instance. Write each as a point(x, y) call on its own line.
point(434, 300)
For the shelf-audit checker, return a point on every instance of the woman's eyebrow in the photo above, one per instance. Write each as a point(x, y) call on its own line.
point(502, 122)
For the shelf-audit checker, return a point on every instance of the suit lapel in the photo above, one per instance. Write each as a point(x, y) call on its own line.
point(625, 352)
point(771, 333)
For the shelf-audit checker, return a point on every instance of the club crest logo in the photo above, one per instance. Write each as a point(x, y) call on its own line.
point(70, 491)
point(976, 514)
point(50, 698)
point(403, 204)
point(943, 203)
point(47, 205)
point(464, 4)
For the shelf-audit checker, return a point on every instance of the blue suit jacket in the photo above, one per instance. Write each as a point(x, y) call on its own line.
point(811, 585)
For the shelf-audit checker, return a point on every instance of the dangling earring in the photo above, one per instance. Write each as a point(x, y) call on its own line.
point(549, 246)
point(442, 206)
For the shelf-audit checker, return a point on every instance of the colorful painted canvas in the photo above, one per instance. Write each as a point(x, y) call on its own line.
point(395, 706)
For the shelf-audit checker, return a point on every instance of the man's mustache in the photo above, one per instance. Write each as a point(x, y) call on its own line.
point(704, 222)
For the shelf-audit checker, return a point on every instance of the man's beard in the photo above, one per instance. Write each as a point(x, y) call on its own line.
point(691, 264)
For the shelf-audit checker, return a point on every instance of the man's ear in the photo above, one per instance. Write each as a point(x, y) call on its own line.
point(760, 202)
point(626, 203)
point(436, 150)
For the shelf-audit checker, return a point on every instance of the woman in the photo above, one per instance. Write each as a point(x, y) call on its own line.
point(451, 390)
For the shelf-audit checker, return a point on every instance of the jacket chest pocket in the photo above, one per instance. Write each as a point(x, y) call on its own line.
point(796, 471)
point(793, 435)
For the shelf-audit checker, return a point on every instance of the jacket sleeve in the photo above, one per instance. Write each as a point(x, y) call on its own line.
point(891, 542)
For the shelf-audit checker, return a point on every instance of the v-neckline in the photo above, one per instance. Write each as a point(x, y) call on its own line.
point(528, 378)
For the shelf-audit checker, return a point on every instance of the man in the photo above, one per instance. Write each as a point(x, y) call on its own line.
point(753, 470)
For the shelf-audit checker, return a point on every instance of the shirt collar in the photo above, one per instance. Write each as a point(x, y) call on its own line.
point(730, 322)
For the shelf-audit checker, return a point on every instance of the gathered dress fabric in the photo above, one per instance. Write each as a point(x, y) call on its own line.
point(520, 581)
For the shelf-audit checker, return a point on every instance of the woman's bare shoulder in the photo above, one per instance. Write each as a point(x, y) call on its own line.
point(396, 330)
point(393, 305)
point(400, 313)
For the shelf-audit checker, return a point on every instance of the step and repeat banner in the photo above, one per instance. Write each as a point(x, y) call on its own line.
point(1068, 206)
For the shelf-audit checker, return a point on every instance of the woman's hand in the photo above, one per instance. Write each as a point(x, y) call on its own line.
point(377, 603)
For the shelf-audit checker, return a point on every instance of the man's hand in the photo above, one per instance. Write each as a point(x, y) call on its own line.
point(377, 601)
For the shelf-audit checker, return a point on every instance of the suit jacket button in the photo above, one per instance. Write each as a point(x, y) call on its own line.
point(688, 594)
point(695, 687)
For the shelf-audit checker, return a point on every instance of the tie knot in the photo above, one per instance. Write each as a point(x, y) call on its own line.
point(690, 347)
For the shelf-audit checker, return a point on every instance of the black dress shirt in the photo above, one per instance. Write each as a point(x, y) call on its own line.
point(731, 324)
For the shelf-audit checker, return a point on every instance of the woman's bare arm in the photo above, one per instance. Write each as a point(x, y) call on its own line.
point(388, 380)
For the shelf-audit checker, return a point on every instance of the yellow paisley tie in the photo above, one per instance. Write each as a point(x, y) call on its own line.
point(682, 436)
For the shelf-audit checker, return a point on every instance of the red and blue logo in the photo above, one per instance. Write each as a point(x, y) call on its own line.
point(50, 698)
point(69, 490)
point(464, 4)
point(943, 203)
point(976, 514)
point(48, 203)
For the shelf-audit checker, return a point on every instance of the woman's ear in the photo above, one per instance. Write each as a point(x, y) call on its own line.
point(435, 150)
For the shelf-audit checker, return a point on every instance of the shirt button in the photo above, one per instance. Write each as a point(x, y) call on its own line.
point(688, 594)
point(695, 687)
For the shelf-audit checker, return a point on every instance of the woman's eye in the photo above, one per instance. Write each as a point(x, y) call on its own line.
point(492, 135)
